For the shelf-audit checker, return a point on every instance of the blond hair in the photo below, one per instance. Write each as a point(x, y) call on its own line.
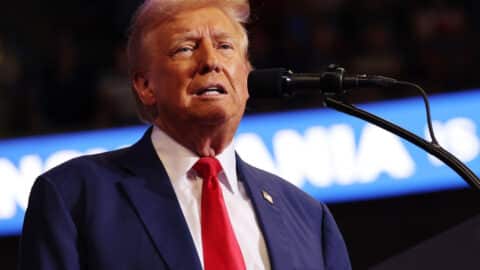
point(154, 12)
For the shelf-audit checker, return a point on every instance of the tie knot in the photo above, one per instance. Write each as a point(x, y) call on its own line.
point(207, 167)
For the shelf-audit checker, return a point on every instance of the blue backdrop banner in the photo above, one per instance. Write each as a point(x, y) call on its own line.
point(332, 156)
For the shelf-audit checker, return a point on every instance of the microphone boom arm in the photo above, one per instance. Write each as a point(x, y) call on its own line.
point(434, 149)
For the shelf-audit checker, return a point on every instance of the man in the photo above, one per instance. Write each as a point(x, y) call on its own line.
point(162, 203)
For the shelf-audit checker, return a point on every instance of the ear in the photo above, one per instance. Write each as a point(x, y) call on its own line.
point(142, 87)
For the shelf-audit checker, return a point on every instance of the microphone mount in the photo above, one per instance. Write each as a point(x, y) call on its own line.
point(333, 84)
point(280, 82)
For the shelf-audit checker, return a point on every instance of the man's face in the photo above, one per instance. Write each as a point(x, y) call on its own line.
point(197, 70)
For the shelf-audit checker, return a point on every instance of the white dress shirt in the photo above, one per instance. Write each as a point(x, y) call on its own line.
point(178, 162)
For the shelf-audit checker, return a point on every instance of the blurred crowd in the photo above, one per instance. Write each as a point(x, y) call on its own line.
point(63, 65)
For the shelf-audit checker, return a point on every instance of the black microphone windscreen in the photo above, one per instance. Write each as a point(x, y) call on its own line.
point(266, 83)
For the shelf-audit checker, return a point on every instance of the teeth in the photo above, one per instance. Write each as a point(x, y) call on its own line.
point(211, 91)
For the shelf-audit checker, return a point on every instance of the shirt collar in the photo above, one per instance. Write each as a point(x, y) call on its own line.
point(178, 160)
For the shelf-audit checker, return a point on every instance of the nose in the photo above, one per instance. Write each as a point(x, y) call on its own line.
point(208, 59)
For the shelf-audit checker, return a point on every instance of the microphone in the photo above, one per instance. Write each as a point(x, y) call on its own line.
point(280, 82)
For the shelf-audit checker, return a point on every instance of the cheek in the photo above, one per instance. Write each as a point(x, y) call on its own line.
point(171, 81)
point(241, 77)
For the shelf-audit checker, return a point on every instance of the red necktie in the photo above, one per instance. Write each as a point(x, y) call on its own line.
point(220, 247)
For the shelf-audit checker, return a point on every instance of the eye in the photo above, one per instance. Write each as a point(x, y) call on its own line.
point(225, 46)
point(184, 49)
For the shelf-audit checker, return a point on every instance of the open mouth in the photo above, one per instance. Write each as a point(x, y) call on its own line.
point(211, 91)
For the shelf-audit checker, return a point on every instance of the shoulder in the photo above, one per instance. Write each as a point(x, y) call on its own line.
point(110, 164)
point(82, 176)
point(87, 166)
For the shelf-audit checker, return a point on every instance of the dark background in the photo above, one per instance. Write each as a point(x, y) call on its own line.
point(62, 68)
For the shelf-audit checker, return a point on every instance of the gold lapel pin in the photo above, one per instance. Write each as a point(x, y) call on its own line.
point(267, 197)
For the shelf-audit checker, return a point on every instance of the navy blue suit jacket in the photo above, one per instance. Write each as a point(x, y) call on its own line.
point(118, 210)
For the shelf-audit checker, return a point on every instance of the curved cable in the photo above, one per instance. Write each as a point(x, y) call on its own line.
point(427, 108)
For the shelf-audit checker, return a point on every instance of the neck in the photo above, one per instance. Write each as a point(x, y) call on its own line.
point(204, 140)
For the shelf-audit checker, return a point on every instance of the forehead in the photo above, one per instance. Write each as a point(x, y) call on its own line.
point(198, 22)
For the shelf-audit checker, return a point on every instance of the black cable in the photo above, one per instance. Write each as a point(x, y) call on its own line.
point(427, 108)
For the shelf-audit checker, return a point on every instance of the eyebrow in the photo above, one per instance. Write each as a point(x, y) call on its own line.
point(185, 34)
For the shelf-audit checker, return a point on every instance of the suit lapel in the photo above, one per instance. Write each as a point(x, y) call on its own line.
point(151, 194)
point(268, 214)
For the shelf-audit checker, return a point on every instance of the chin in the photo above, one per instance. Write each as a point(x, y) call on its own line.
point(213, 119)
point(215, 116)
